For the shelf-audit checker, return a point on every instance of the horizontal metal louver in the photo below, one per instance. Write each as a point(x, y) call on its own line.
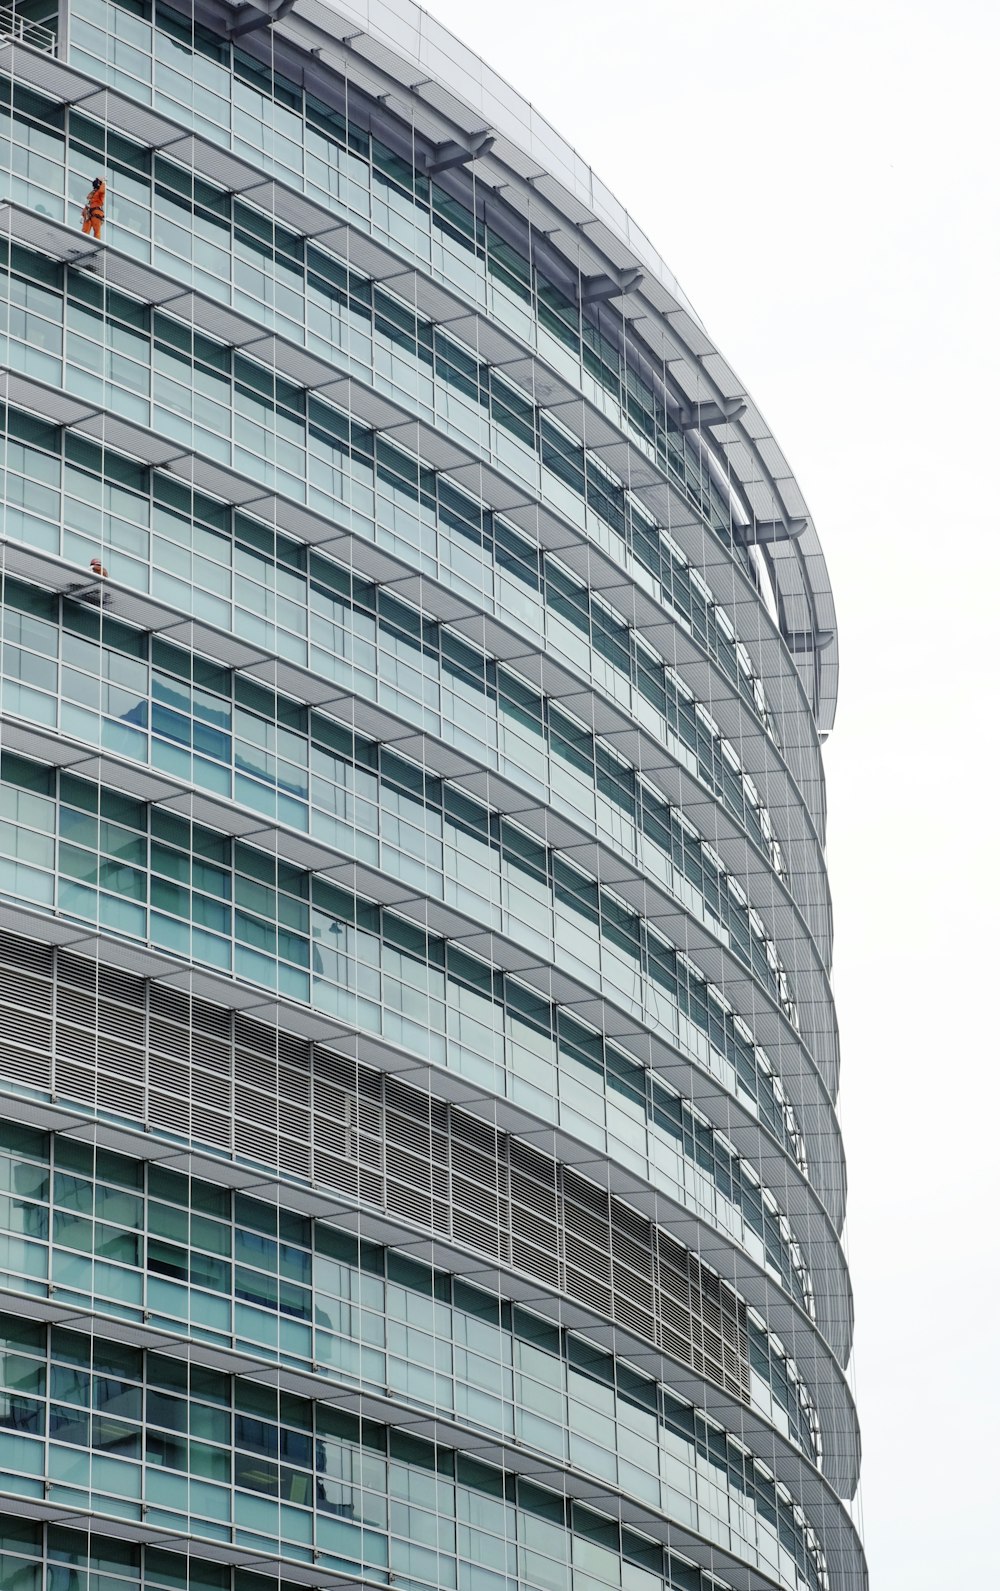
point(292, 1051)
point(211, 1127)
point(260, 1109)
point(342, 1073)
point(18, 1026)
point(20, 988)
point(293, 1121)
point(402, 1200)
point(229, 1082)
point(582, 1286)
point(293, 1085)
point(168, 1073)
point(120, 1094)
point(164, 1001)
point(333, 1171)
point(210, 1051)
point(251, 1035)
point(75, 971)
point(256, 1144)
point(212, 1089)
point(115, 984)
point(295, 1156)
point(255, 1071)
point(24, 1066)
point(76, 1043)
point(535, 1261)
point(76, 1005)
point(27, 955)
point(212, 1020)
point(166, 1110)
point(169, 1039)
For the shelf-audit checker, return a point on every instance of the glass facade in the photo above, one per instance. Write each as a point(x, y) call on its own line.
point(419, 1162)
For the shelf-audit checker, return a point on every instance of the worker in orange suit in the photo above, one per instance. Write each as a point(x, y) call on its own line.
point(93, 210)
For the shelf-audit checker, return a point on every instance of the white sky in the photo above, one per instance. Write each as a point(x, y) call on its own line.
point(821, 179)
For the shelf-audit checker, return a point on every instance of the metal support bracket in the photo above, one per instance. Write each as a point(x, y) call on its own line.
point(444, 157)
point(599, 289)
point(259, 14)
point(799, 641)
point(762, 532)
point(702, 414)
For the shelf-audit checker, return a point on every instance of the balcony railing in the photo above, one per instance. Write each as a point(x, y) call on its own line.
point(23, 30)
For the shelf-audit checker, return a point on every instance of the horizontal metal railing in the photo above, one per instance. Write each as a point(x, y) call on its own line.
point(23, 30)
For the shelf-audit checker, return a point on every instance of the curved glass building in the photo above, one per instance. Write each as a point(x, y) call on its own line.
point(419, 1163)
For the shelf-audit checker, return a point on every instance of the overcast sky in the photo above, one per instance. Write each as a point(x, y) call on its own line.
point(838, 237)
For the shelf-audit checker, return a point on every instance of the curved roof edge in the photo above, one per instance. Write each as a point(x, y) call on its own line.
point(444, 80)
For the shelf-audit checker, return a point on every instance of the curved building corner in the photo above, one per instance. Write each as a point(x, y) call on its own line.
point(419, 1160)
